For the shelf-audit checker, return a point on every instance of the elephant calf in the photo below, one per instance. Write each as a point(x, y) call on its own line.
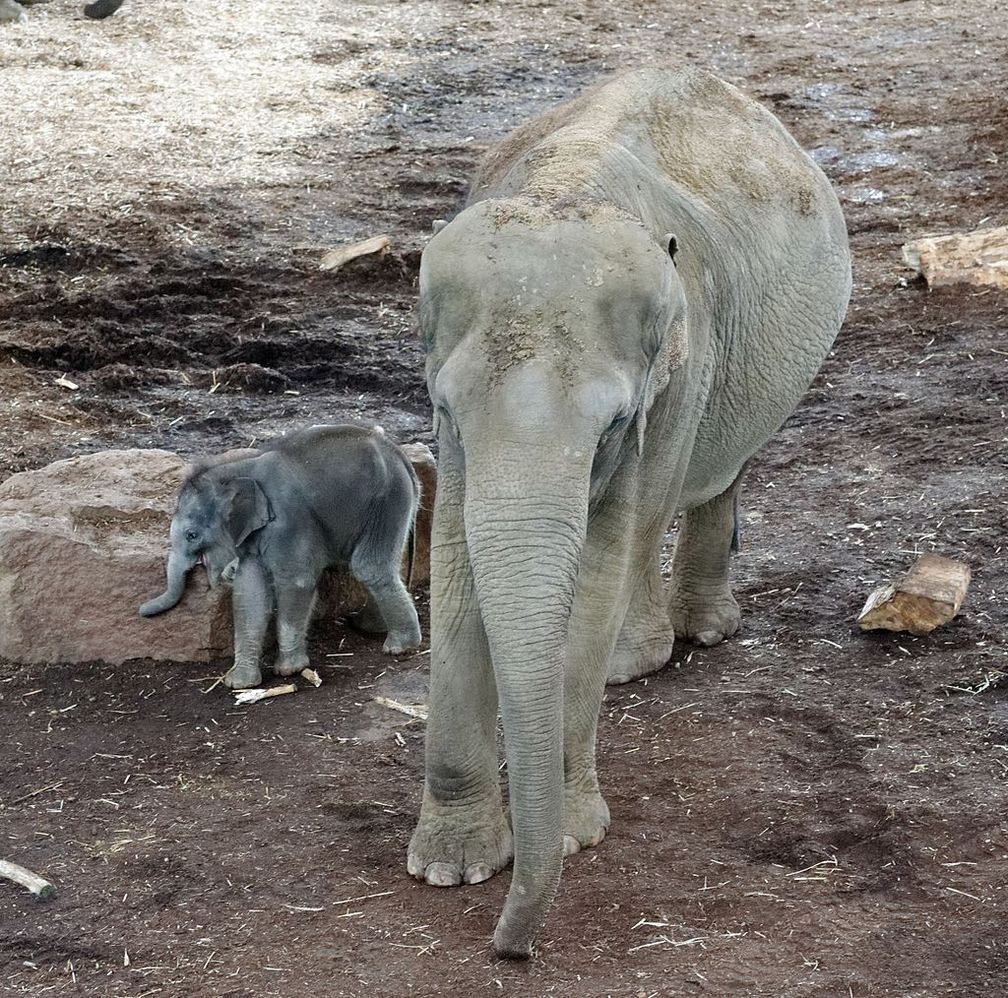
point(274, 519)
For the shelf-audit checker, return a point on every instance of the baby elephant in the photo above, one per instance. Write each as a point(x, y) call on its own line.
point(275, 518)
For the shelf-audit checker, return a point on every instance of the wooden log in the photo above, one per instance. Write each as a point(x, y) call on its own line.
point(929, 595)
point(39, 886)
point(335, 258)
point(979, 257)
point(425, 466)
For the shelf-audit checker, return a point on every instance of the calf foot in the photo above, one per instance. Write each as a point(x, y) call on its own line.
point(291, 665)
point(459, 844)
point(242, 677)
point(399, 642)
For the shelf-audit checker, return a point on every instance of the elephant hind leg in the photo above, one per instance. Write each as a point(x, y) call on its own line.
point(645, 640)
point(376, 563)
point(702, 607)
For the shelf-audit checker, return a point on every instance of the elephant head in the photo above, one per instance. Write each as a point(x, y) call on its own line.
point(217, 510)
point(548, 340)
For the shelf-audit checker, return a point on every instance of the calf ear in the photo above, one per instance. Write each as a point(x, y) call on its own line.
point(246, 508)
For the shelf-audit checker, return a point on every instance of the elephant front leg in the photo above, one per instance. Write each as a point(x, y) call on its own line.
point(462, 834)
point(251, 604)
point(599, 608)
point(702, 607)
point(294, 609)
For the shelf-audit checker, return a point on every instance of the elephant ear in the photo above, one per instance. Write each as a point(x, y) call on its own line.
point(246, 508)
point(669, 352)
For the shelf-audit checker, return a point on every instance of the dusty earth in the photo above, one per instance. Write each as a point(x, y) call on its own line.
point(802, 811)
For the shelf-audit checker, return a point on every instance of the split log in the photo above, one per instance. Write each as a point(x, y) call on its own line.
point(929, 595)
point(335, 258)
point(39, 886)
point(979, 257)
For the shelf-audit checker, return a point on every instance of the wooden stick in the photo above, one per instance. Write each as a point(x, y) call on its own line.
point(419, 711)
point(312, 676)
point(254, 696)
point(41, 888)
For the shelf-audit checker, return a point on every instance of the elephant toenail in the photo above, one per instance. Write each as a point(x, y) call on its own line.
point(443, 875)
point(477, 873)
point(708, 638)
point(571, 845)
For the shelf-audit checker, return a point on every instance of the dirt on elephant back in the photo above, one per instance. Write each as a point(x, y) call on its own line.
point(802, 811)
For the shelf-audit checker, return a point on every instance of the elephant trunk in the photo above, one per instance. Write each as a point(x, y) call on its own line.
point(525, 542)
point(178, 566)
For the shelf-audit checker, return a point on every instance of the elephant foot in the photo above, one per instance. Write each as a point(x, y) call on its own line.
point(705, 620)
point(585, 819)
point(459, 844)
point(634, 659)
point(242, 677)
point(399, 644)
point(291, 665)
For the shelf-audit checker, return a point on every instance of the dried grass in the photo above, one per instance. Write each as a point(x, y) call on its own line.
point(173, 100)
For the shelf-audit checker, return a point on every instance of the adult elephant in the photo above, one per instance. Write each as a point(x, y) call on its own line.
point(643, 284)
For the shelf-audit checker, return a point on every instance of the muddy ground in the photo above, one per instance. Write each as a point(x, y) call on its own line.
point(802, 811)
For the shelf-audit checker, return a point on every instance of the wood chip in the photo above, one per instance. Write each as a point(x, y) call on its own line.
point(335, 258)
point(312, 676)
point(929, 595)
point(254, 696)
point(979, 257)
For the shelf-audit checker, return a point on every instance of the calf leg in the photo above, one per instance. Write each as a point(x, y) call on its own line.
point(294, 610)
point(251, 605)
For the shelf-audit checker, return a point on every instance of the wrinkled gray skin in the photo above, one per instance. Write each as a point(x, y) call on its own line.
point(272, 520)
point(643, 285)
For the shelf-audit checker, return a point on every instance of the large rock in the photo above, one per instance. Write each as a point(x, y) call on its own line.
point(83, 544)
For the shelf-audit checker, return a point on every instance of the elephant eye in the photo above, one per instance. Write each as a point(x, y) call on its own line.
point(191, 535)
